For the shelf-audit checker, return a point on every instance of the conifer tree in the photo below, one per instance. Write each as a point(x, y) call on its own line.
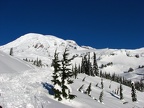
point(11, 51)
point(101, 96)
point(75, 71)
point(82, 66)
point(121, 92)
point(133, 92)
point(79, 69)
point(101, 74)
point(90, 69)
point(66, 75)
point(88, 90)
point(56, 74)
point(89, 66)
point(85, 64)
point(95, 66)
point(102, 86)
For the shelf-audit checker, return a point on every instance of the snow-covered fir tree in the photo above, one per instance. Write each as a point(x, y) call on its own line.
point(102, 85)
point(121, 92)
point(11, 51)
point(95, 66)
point(89, 66)
point(75, 71)
point(66, 75)
point(101, 96)
point(133, 92)
point(56, 75)
point(62, 76)
point(88, 90)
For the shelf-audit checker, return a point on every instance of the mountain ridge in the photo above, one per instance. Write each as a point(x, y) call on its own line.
point(28, 87)
point(37, 46)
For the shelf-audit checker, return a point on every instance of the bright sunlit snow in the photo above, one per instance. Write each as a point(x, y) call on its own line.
point(22, 85)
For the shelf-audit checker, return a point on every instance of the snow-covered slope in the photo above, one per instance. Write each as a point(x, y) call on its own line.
point(33, 46)
point(10, 65)
point(21, 85)
point(25, 86)
point(26, 89)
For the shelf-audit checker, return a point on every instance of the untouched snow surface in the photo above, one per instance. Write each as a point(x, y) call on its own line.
point(10, 65)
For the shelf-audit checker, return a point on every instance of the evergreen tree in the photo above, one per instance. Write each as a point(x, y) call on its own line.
point(141, 86)
point(95, 66)
point(85, 64)
point(88, 90)
point(75, 71)
point(89, 66)
point(82, 66)
point(121, 92)
point(56, 74)
point(101, 74)
point(102, 86)
point(11, 51)
point(66, 75)
point(113, 77)
point(133, 92)
point(37, 63)
point(117, 91)
point(34, 63)
point(90, 70)
point(101, 96)
point(79, 69)
point(110, 85)
point(40, 63)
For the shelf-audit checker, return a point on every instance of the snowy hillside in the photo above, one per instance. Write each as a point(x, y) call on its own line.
point(9, 65)
point(37, 46)
point(23, 85)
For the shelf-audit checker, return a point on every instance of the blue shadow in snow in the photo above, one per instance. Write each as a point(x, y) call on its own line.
point(49, 88)
point(114, 95)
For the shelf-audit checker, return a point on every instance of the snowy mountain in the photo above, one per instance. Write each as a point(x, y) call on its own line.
point(37, 46)
point(24, 85)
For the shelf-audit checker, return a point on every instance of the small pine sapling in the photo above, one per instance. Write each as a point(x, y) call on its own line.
point(88, 90)
point(101, 96)
point(133, 92)
point(121, 92)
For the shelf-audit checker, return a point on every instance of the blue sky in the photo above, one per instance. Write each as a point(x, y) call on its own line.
point(96, 23)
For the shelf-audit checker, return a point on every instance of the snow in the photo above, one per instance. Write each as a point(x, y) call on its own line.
point(21, 83)
point(9, 64)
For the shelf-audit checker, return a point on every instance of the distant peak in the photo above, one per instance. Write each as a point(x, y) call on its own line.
point(32, 35)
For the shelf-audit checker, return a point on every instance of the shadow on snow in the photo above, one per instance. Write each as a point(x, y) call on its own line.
point(48, 87)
